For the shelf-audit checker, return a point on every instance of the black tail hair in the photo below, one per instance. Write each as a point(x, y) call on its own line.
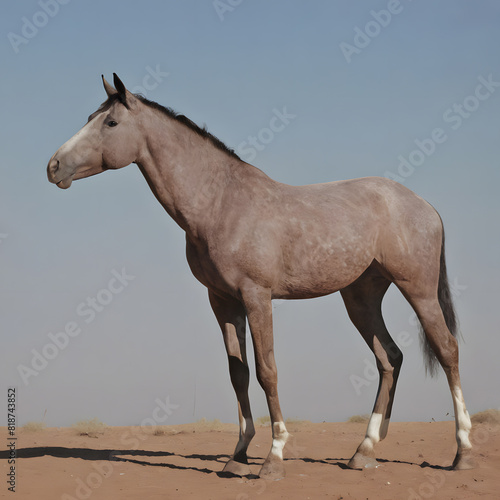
point(446, 302)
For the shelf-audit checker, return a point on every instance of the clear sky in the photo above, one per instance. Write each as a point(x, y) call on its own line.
point(407, 89)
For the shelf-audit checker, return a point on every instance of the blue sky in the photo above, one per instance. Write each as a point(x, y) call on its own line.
point(414, 77)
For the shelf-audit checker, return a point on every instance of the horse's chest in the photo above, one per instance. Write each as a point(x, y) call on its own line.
point(205, 269)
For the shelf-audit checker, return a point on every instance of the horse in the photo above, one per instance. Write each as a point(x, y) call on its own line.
point(251, 239)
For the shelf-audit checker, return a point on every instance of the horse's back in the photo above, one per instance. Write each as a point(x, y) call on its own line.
point(365, 201)
point(334, 231)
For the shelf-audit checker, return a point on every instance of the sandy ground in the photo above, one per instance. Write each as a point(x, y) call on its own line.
point(184, 462)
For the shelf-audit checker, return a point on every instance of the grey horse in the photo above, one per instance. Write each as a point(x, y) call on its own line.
point(251, 239)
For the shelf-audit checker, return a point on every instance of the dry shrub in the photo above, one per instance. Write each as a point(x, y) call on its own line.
point(264, 421)
point(295, 424)
point(297, 421)
point(204, 425)
point(90, 428)
point(358, 419)
point(34, 426)
point(164, 430)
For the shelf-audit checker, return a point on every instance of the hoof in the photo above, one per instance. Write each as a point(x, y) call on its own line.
point(464, 461)
point(359, 461)
point(273, 470)
point(236, 468)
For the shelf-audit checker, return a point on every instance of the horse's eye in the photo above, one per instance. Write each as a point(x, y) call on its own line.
point(112, 123)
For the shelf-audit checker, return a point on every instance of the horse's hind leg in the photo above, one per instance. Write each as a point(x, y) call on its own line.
point(363, 300)
point(445, 347)
point(232, 320)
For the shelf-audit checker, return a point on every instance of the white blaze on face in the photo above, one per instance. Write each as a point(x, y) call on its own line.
point(73, 142)
point(462, 419)
point(74, 153)
point(280, 436)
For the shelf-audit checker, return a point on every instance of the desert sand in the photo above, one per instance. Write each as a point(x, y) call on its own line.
point(185, 462)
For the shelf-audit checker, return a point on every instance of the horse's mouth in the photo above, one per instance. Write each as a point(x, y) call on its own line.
point(65, 183)
point(54, 173)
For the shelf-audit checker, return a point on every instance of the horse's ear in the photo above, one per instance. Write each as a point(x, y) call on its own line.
point(120, 87)
point(108, 87)
point(126, 97)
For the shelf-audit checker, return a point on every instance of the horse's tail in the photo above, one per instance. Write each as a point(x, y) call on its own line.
point(446, 302)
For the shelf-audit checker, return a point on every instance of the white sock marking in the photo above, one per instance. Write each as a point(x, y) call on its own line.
point(373, 431)
point(280, 436)
point(372, 435)
point(462, 419)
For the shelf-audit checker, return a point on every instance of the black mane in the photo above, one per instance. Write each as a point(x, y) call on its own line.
point(203, 132)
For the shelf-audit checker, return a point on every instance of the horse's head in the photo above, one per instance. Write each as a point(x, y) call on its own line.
point(109, 140)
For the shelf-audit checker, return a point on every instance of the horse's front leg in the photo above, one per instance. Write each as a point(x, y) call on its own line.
point(259, 311)
point(232, 320)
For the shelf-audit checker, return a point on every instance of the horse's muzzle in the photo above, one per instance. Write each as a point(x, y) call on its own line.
point(54, 175)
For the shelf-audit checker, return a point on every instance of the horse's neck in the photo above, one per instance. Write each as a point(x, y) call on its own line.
point(187, 174)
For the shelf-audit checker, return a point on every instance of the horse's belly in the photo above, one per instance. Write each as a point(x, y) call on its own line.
point(320, 271)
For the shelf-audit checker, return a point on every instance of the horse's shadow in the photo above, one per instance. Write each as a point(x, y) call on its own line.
point(140, 457)
point(342, 463)
point(118, 456)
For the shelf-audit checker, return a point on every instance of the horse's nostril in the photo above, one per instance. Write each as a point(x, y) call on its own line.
point(52, 169)
point(53, 166)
